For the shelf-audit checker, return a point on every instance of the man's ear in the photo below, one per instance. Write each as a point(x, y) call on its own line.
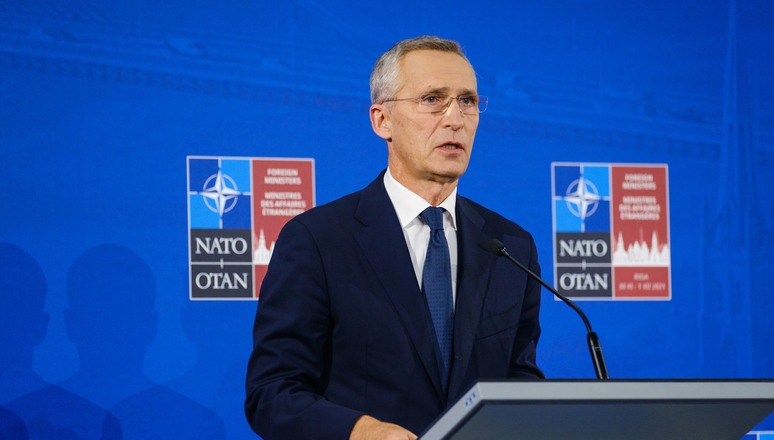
point(380, 121)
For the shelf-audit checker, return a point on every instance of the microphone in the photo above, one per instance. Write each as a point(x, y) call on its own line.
point(498, 248)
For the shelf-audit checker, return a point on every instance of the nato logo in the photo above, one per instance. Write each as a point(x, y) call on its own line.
point(582, 198)
point(220, 240)
point(219, 193)
point(236, 209)
point(611, 230)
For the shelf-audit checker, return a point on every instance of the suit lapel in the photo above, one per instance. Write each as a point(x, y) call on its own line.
point(381, 239)
point(474, 263)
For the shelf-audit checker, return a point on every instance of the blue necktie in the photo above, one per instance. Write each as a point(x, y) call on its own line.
point(436, 283)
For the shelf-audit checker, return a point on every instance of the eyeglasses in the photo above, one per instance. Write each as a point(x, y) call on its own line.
point(439, 102)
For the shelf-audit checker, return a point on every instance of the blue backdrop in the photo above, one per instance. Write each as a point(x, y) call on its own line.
point(101, 102)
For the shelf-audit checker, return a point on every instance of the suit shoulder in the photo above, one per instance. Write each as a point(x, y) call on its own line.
point(338, 213)
point(493, 220)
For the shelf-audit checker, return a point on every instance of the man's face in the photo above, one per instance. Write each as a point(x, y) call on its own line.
point(430, 146)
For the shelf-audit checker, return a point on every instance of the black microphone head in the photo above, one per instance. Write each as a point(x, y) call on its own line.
point(496, 246)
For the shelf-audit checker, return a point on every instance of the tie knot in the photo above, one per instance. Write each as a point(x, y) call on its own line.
point(433, 217)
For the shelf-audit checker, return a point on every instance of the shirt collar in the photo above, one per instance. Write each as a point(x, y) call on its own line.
point(409, 205)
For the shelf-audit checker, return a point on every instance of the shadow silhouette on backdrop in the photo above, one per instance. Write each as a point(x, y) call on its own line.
point(48, 411)
point(11, 426)
point(111, 320)
point(23, 322)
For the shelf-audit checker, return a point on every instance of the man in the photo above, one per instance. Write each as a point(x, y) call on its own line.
point(350, 337)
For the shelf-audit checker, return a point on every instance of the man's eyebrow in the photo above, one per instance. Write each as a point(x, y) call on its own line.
point(442, 90)
point(445, 91)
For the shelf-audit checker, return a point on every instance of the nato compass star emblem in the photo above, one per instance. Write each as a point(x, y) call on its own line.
point(582, 199)
point(220, 193)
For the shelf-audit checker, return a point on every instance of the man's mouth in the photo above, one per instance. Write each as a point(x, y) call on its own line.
point(451, 146)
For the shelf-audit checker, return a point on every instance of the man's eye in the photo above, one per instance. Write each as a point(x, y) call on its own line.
point(467, 100)
point(431, 99)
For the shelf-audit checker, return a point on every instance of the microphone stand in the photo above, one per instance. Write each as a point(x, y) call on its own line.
point(595, 349)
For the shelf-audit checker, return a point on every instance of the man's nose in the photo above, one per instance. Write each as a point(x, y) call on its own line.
point(453, 114)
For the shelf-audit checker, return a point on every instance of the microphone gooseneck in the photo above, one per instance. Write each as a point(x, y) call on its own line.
point(498, 248)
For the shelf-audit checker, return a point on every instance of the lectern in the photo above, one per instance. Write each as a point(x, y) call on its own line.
point(607, 409)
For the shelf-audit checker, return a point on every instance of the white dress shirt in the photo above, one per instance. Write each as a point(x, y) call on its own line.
point(408, 206)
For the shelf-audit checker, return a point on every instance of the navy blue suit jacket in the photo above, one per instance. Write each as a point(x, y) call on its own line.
point(342, 328)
